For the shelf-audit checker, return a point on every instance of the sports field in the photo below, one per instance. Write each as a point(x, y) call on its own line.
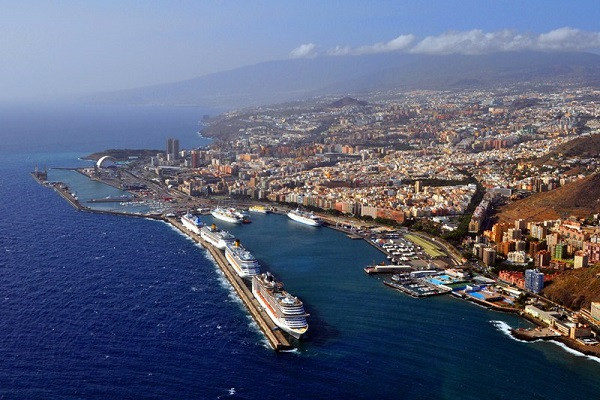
point(427, 246)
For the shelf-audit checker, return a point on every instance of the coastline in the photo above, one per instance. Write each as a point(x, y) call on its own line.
point(572, 344)
point(276, 338)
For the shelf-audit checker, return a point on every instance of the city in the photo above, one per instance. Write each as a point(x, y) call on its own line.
point(445, 164)
point(317, 200)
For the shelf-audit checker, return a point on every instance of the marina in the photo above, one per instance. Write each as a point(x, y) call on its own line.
point(416, 287)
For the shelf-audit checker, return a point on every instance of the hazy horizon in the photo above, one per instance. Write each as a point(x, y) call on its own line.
point(58, 50)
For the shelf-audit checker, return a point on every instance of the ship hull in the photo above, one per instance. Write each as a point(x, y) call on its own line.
point(190, 226)
point(226, 218)
point(303, 220)
point(235, 264)
point(281, 324)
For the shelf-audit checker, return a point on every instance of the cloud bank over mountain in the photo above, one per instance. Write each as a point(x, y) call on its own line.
point(471, 42)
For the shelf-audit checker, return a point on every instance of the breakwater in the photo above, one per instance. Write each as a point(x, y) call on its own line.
point(277, 339)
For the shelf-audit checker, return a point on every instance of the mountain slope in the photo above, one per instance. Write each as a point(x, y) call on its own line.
point(585, 147)
point(575, 289)
point(301, 78)
point(580, 198)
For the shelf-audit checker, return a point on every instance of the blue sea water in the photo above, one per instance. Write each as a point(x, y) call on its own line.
point(108, 307)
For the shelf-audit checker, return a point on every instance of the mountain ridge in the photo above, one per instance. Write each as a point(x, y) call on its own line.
point(296, 79)
point(580, 198)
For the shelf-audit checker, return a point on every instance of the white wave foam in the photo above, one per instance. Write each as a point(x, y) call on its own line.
point(295, 351)
point(506, 329)
point(230, 392)
point(574, 352)
point(224, 282)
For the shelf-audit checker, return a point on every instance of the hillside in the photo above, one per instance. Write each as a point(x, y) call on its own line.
point(580, 198)
point(585, 147)
point(279, 81)
point(575, 288)
point(347, 101)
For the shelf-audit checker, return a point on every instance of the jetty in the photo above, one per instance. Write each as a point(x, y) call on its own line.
point(387, 269)
point(277, 339)
point(417, 288)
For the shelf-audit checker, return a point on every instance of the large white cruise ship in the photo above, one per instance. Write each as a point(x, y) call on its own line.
point(191, 223)
point(216, 237)
point(304, 217)
point(226, 215)
point(242, 261)
point(284, 309)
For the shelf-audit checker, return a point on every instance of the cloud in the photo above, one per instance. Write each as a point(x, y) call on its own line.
point(305, 50)
point(568, 39)
point(477, 41)
point(402, 42)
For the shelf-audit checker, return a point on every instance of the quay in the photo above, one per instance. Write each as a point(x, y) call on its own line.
point(387, 269)
point(113, 200)
point(277, 339)
point(417, 289)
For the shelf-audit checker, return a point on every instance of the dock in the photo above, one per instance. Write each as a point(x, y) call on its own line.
point(113, 200)
point(387, 269)
point(277, 339)
point(416, 288)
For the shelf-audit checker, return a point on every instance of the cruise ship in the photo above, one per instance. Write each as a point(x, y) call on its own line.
point(284, 309)
point(216, 237)
point(226, 215)
point(242, 261)
point(304, 217)
point(192, 223)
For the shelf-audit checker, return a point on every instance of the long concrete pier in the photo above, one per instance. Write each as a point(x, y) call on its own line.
point(276, 338)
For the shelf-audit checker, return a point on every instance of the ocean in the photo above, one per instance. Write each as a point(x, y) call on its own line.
point(109, 307)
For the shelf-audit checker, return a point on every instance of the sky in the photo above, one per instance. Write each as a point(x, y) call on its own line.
point(53, 49)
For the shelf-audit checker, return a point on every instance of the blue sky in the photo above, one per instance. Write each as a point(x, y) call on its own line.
point(64, 47)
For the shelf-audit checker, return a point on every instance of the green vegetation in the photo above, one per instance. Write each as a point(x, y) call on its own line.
point(456, 236)
point(423, 225)
point(427, 246)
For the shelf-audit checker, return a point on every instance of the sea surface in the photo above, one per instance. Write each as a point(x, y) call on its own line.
point(108, 307)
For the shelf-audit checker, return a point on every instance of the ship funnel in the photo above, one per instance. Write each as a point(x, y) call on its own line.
point(213, 227)
point(237, 243)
